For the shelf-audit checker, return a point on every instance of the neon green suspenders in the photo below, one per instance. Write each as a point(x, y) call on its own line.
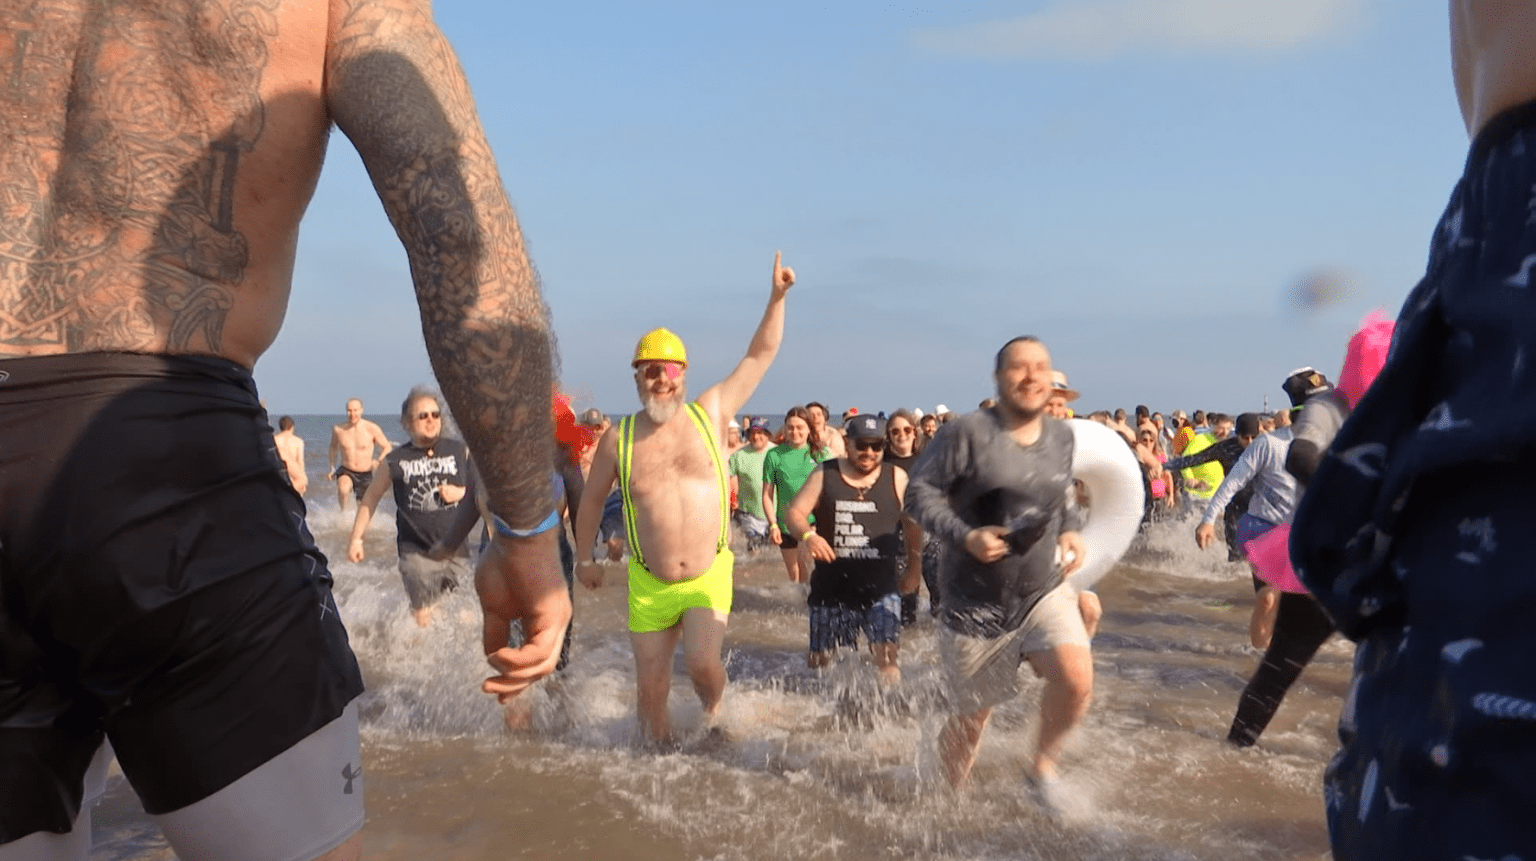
point(626, 462)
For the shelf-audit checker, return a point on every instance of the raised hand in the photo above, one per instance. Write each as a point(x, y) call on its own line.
point(783, 276)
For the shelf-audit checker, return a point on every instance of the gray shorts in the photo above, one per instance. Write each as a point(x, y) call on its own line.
point(314, 789)
point(426, 579)
point(980, 672)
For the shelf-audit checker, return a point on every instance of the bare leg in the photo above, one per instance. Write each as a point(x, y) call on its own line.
point(1266, 606)
point(885, 663)
point(1090, 608)
point(819, 660)
point(423, 616)
point(653, 679)
point(958, 742)
point(343, 490)
point(1068, 672)
point(703, 636)
point(792, 563)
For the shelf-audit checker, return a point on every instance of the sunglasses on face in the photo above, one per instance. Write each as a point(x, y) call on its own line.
point(903, 431)
point(655, 370)
point(428, 414)
point(869, 444)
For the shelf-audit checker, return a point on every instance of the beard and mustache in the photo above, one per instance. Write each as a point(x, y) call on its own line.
point(661, 411)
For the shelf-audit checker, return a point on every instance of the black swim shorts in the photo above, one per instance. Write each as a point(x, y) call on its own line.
point(158, 585)
point(360, 479)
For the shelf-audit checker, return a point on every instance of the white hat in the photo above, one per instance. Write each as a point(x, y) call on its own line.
point(734, 424)
point(917, 411)
point(940, 410)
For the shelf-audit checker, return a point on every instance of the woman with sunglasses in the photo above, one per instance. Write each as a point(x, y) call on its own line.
point(785, 469)
point(1152, 457)
point(903, 443)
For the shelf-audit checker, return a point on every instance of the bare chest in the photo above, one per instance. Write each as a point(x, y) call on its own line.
point(671, 457)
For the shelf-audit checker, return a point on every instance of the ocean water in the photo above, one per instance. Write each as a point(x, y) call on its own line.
point(814, 766)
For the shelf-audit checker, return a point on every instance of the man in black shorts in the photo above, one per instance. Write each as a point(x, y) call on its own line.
point(158, 587)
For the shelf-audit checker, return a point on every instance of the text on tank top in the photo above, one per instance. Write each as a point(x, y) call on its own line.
point(862, 527)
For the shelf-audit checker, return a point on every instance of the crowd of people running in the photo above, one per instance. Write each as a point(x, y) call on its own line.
point(866, 514)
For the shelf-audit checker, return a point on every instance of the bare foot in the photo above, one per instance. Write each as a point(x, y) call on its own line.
point(423, 616)
point(1266, 606)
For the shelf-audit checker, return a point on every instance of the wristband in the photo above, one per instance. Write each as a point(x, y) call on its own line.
point(807, 535)
point(505, 531)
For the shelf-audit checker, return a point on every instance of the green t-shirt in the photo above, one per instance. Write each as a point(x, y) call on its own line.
point(747, 466)
point(786, 468)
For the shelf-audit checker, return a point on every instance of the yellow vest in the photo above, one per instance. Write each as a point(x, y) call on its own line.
point(1209, 473)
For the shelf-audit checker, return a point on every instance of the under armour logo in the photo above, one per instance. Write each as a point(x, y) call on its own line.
point(350, 774)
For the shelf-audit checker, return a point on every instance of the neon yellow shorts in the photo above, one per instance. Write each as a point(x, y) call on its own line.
point(656, 605)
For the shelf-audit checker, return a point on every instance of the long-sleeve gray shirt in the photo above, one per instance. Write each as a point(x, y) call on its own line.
point(1263, 466)
point(973, 474)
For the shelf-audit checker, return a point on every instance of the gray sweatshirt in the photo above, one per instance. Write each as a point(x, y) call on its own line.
point(975, 474)
point(1263, 466)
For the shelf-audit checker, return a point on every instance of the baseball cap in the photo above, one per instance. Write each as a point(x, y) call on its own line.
point(1303, 383)
point(940, 410)
point(758, 423)
point(865, 427)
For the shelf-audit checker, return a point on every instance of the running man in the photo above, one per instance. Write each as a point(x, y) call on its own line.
point(150, 256)
point(355, 441)
point(290, 448)
point(994, 488)
point(668, 462)
point(746, 469)
point(857, 501)
point(429, 476)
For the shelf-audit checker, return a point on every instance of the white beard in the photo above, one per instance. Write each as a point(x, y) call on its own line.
point(662, 412)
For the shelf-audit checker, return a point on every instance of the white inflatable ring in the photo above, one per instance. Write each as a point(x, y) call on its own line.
point(1102, 461)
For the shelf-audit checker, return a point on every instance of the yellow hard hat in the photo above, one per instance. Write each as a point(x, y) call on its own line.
point(660, 345)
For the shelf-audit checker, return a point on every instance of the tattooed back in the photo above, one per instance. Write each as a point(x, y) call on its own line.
point(156, 159)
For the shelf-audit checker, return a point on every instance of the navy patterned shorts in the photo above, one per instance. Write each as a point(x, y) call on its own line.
point(832, 627)
point(1416, 535)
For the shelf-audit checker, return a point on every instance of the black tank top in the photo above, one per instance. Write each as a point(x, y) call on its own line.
point(862, 527)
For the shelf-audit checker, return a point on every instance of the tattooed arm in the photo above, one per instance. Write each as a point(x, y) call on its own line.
point(394, 87)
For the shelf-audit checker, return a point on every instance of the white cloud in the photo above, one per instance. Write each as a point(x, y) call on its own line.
point(1109, 29)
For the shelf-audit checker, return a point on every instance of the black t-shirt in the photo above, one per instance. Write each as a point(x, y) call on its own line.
point(973, 474)
point(421, 516)
point(862, 527)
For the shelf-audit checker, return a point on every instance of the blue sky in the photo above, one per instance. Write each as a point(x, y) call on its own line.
point(1141, 183)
